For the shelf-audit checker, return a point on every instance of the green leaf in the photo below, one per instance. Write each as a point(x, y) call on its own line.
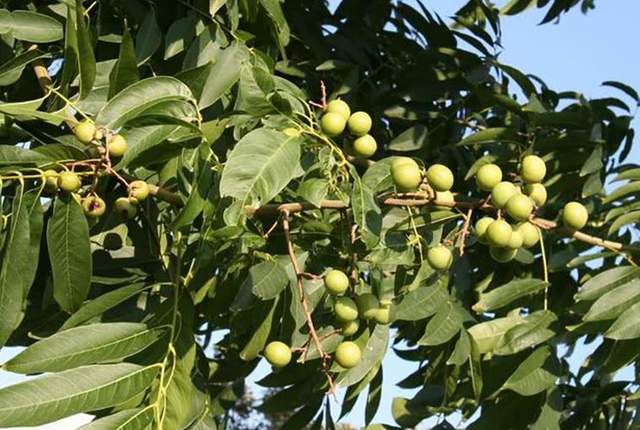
point(366, 213)
point(224, 73)
point(180, 33)
point(84, 51)
point(446, 323)
point(137, 98)
point(259, 338)
point(89, 388)
point(491, 135)
point(535, 374)
point(475, 369)
point(462, 350)
point(412, 139)
point(148, 38)
point(31, 27)
point(626, 219)
point(623, 191)
point(487, 334)
point(422, 302)
point(149, 143)
point(130, 419)
point(11, 70)
point(125, 71)
point(29, 110)
point(624, 88)
point(373, 397)
point(89, 344)
point(606, 281)
point(372, 355)
point(613, 303)
point(274, 10)
point(69, 253)
point(314, 190)
point(593, 163)
point(627, 326)
point(549, 418)
point(267, 280)
point(532, 332)
point(260, 166)
point(506, 294)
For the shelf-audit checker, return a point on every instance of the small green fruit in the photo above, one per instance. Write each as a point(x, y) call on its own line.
point(125, 208)
point(501, 193)
point(516, 240)
point(278, 354)
point(440, 258)
point(348, 354)
point(537, 193)
point(50, 178)
point(340, 107)
point(336, 282)
point(349, 328)
point(139, 190)
point(85, 131)
point(384, 315)
point(406, 174)
point(530, 234)
point(519, 207)
point(499, 233)
point(533, 169)
point(368, 305)
point(117, 146)
point(332, 124)
point(359, 123)
point(502, 255)
point(488, 176)
point(93, 206)
point(364, 146)
point(481, 229)
point(444, 197)
point(69, 182)
point(440, 177)
point(345, 309)
point(575, 215)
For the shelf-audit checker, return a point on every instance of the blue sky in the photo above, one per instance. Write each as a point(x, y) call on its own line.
point(578, 54)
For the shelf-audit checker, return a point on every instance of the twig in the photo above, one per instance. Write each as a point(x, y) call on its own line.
point(465, 230)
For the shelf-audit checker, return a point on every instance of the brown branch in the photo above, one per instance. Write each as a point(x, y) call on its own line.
point(465, 230)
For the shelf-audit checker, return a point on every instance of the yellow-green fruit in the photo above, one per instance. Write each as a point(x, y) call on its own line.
point(440, 177)
point(291, 132)
point(488, 176)
point(332, 124)
point(336, 282)
point(125, 208)
point(278, 354)
point(139, 190)
point(533, 169)
point(440, 257)
point(340, 107)
point(501, 193)
point(530, 234)
point(345, 309)
point(519, 207)
point(94, 206)
point(365, 146)
point(69, 182)
point(575, 215)
point(537, 193)
point(502, 255)
point(368, 305)
point(348, 354)
point(349, 328)
point(85, 131)
point(117, 146)
point(50, 181)
point(444, 197)
point(384, 315)
point(481, 228)
point(499, 233)
point(406, 174)
point(359, 123)
point(516, 240)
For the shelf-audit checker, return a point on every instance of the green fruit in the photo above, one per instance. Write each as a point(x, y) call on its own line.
point(440, 258)
point(575, 215)
point(502, 255)
point(332, 124)
point(488, 176)
point(85, 131)
point(278, 354)
point(384, 315)
point(368, 305)
point(501, 193)
point(340, 107)
point(348, 354)
point(336, 282)
point(516, 240)
point(406, 174)
point(50, 178)
point(112, 242)
point(499, 233)
point(537, 193)
point(69, 182)
point(94, 206)
point(291, 132)
point(519, 207)
point(533, 169)
point(445, 197)
point(139, 190)
point(481, 229)
point(349, 328)
point(440, 177)
point(117, 146)
point(364, 146)
point(345, 309)
point(125, 208)
point(529, 234)
point(359, 123)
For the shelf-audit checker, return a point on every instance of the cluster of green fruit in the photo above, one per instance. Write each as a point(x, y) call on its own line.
point(338, 117)
point(86, 132)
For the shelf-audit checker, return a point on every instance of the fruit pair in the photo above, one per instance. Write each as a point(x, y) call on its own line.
point(87, 132)
point(278, 354)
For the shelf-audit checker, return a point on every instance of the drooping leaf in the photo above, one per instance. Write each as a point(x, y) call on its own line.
point(130, 419)
point(508, 293)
